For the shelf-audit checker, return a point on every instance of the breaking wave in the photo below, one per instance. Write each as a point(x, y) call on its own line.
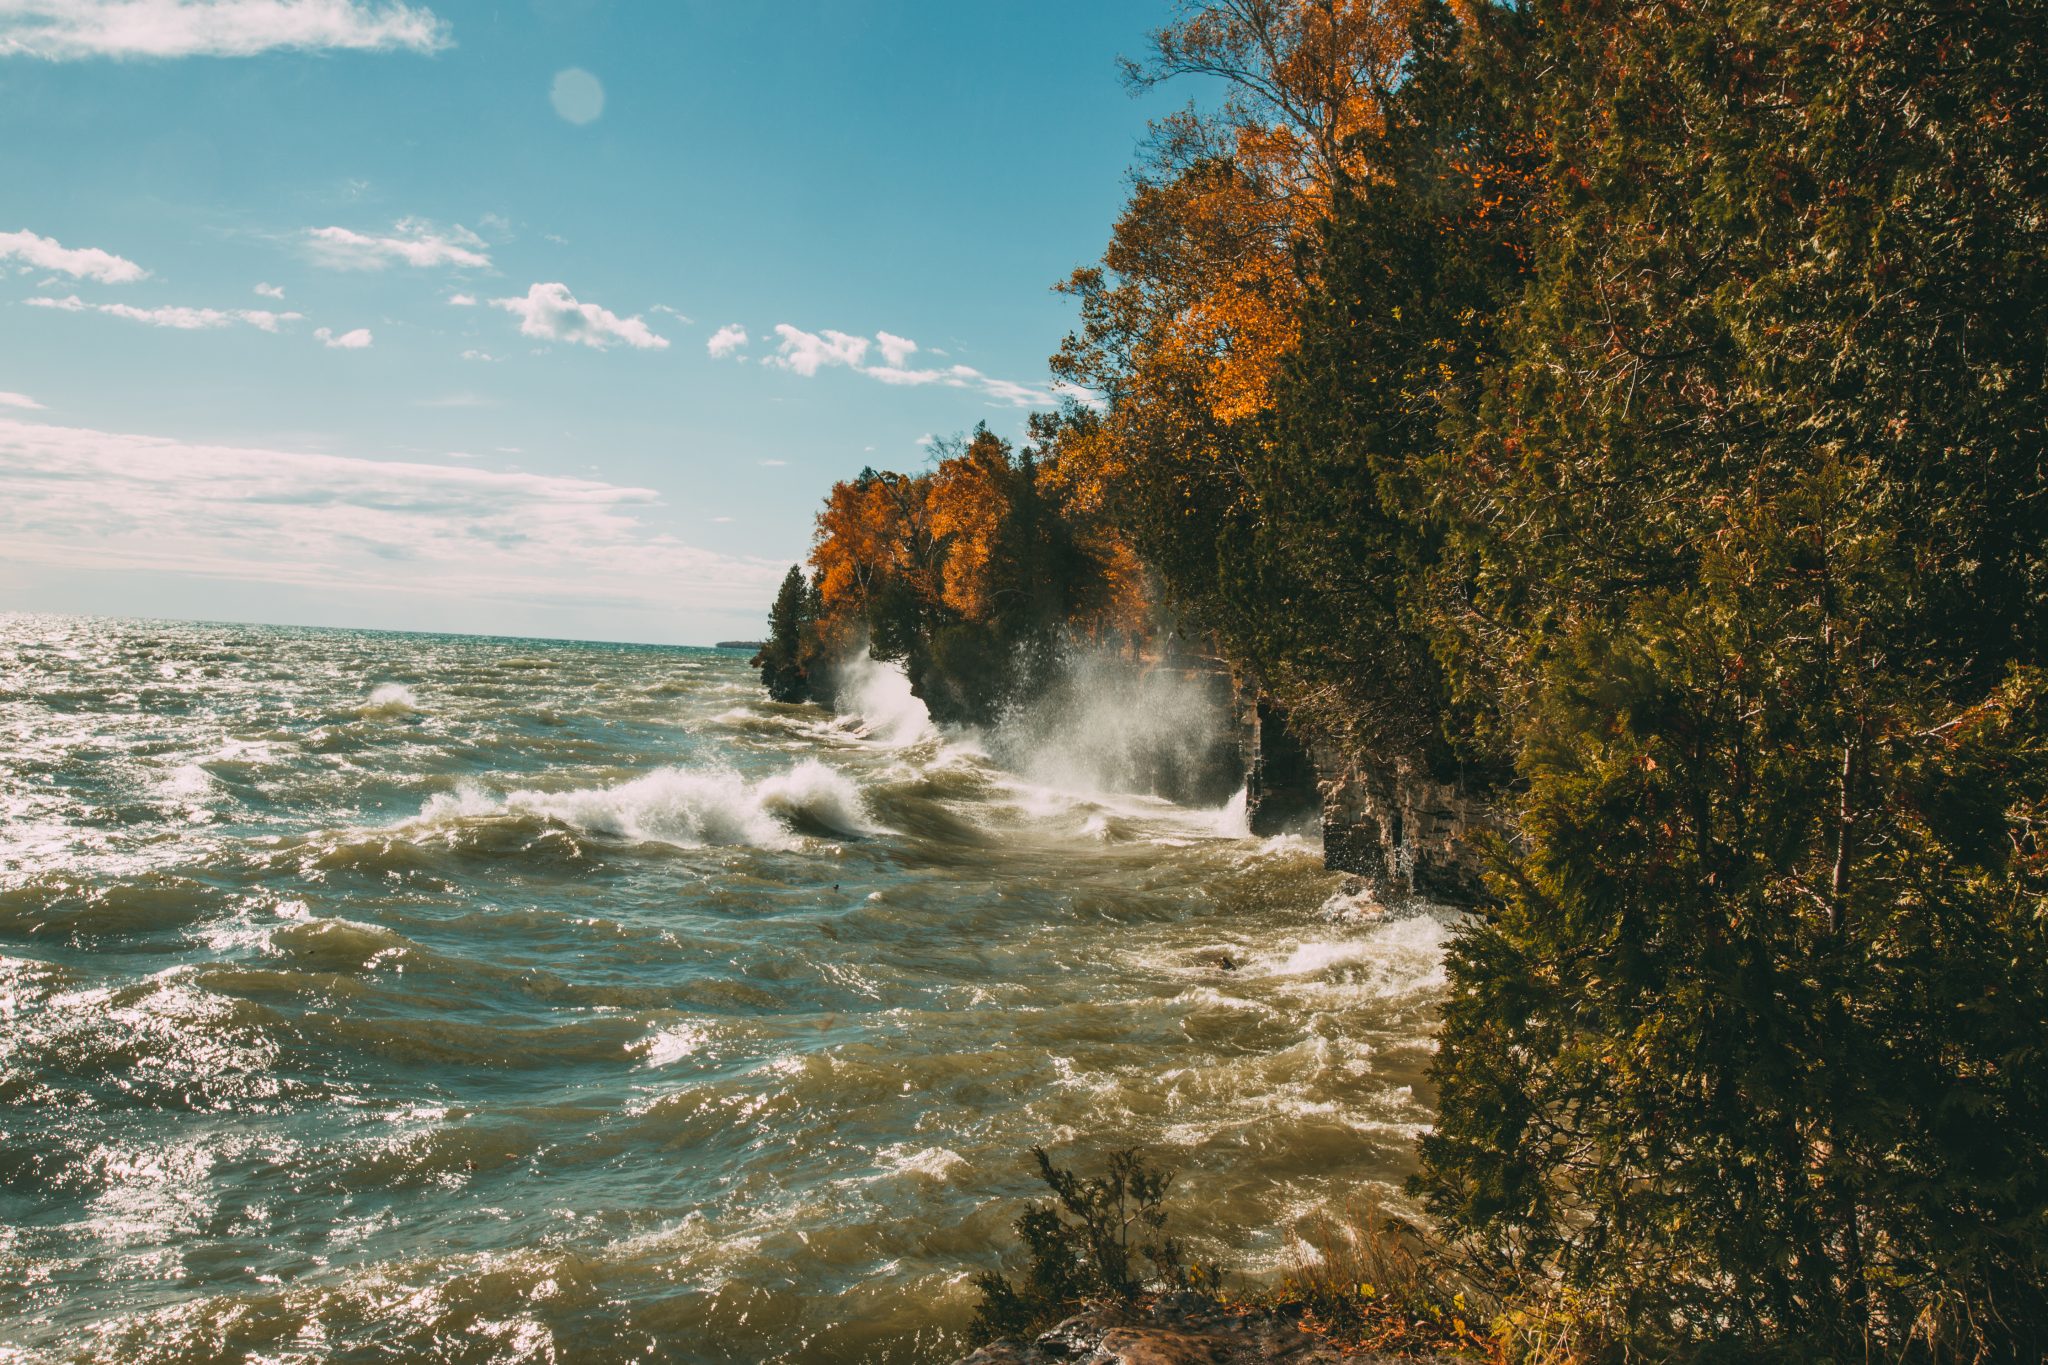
point(875, 696)
point(681, 807)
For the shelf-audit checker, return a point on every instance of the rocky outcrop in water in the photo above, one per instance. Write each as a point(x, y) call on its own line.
point(1180, 1329)
point(1401, 830)
point(1280, 791)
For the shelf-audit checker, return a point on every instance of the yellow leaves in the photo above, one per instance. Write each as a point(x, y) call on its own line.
point(1197, 312)
point(872, 528)
point(968, 500)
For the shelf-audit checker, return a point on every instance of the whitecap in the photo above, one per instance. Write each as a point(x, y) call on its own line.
point(683, 807)
point(390, 699)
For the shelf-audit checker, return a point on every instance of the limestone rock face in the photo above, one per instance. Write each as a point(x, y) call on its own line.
point(1386, 821)
point(1402, 831)
point(1280, 774)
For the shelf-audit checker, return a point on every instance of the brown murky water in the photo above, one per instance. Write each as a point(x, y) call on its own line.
point(370, 997)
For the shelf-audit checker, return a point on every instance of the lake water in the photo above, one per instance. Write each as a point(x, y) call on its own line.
point(382, 997)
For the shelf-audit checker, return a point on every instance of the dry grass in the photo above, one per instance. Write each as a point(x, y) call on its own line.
point(1368, 1280)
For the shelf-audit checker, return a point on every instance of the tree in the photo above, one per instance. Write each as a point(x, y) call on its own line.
point(1753, 508)
point(781, 658)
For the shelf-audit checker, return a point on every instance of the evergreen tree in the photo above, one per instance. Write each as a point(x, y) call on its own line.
point(1746, 1057)
point(782, 658)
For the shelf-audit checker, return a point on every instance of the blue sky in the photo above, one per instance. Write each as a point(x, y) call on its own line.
point(239, 378)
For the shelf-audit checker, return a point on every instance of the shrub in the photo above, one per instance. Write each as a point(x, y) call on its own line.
point(1081, 1247)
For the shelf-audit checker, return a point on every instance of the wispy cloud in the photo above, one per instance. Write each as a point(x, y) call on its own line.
point(357, 340)
point(474, 354)
point(806, 353)
point(678, 314)
point(70, 30)
point(81, 263)
point(80, 498)
point(462, 300)
point(270, 291)
point(552, 313)
point(727, 340)
point(773, 464)
point(18, 400)
point(178, 318)
point(413, 241)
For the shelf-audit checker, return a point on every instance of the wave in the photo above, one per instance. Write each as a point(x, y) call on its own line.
point(390, 699)
point(681, 807)
point(875, 697)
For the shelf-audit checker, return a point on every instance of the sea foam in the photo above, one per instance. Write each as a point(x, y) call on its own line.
point(683, 807)
point(878, 695)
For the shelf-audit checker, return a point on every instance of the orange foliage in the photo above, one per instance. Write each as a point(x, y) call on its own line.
point(968, 501)
point(872, 528)
point(1192, 317)
point(947, 543)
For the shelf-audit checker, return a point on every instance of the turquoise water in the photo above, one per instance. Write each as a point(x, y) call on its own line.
point(371, 997)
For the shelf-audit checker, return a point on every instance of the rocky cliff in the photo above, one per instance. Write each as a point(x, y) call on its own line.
point(1400, 829)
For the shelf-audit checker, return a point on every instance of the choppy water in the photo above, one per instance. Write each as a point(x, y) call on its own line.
point(373, 997)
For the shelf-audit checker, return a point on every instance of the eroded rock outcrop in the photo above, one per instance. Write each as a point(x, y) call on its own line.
point(1400, 830)
point(1403, 831)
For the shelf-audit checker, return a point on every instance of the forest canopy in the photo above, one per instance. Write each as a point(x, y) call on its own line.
point(1637, 411)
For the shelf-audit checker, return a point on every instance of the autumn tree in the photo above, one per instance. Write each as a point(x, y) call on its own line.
point(1190, 320)
point(973, 574)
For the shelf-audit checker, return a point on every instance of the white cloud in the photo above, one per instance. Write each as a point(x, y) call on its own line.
point(726, 340)
point(358, 340)
point(773, 464)
point(675, 313)
point(806, 353)
point(270, 291)
point(68, 30)
point(81, 263)
point(462, 300)
point(551, 312)
point(1003, 391)
point(76, 498)
point(485, 356)
point(416, 243)
point(178, 318)
point(18, 400)
point(577, 95)
point(895, 349)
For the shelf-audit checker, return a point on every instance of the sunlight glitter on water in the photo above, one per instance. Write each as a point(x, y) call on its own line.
point(396, 995)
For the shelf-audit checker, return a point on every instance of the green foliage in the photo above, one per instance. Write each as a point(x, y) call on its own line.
point(1667, 444)
point(782, 658)
point(1751, 535)
point(1081, 1246)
